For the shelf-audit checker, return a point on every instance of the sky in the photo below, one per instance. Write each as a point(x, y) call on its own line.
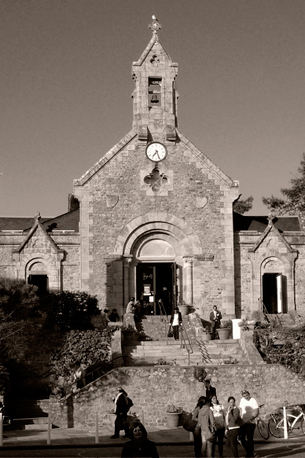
point(65, 90)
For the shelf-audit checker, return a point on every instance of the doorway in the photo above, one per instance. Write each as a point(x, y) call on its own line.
point(274, 292)
point(41, 281)
point(155, 281)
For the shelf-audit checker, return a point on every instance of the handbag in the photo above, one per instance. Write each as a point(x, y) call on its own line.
point(211, 437)
point(189, 423)
point(170, 332)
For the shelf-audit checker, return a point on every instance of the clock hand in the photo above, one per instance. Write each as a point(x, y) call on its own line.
point(156, 153)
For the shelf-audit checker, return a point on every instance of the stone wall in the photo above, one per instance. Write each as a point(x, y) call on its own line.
point(153, 388)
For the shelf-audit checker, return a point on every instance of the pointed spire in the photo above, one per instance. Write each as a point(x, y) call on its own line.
point(155, 26)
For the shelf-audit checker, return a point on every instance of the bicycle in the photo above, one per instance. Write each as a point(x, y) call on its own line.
point(276, 422)
point(262, 426)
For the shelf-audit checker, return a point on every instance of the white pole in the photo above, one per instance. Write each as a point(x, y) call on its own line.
point(1, 429)
point(285, 423)
point(96, 428)
point(49, 431)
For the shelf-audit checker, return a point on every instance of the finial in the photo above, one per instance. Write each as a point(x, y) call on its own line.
point(271, 217)
point(155, 25)
point(37, 215)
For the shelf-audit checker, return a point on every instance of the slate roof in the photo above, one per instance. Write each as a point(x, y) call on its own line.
point(67, 222)
point(259, 223)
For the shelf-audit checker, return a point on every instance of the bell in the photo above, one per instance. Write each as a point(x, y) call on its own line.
point(154, 98)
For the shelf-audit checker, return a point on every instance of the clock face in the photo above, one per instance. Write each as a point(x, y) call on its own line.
point(156, 152)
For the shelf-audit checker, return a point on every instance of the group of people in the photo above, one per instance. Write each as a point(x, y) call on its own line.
point(215, 423)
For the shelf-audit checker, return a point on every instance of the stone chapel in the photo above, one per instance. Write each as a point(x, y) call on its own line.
point(155, 212)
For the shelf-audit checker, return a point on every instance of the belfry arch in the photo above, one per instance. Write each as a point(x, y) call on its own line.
point(158, 251)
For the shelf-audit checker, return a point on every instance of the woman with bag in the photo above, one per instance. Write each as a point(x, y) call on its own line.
point(233, 422)
point(219, 416)
point(204, 432)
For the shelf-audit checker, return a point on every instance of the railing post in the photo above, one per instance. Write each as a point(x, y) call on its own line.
point(285, 423)
point(96, 429)
point(1, 429)
point(49, 430)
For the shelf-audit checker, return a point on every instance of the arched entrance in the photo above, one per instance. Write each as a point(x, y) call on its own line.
point(37, 275)
point(158, 249)
point(274, 286)
point(158, 279)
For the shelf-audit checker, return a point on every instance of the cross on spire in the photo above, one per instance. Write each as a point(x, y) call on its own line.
point(155, 25)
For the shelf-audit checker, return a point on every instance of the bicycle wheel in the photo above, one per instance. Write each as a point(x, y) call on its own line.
point(262, 429)
point(276, 427)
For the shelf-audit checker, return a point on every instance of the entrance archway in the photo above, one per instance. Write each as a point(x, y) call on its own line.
point(157, 259)
point(37, 275)
point(274, 286)
point(159, 247)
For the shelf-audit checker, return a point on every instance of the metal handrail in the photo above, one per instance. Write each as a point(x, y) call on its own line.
point(186, 340)
point(70, 385)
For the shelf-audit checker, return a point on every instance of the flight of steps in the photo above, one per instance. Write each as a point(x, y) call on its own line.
point(150, 353)
point(26, 415)
point(154, 347)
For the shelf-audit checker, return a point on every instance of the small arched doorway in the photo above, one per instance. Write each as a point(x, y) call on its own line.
point(274, 286)
point(37, 275)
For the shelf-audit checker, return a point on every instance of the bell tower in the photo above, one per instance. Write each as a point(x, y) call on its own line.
point(155, 96)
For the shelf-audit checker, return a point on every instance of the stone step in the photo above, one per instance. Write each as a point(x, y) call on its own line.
point(33, 423)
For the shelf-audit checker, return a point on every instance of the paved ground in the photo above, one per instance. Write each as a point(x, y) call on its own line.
point(171, 443)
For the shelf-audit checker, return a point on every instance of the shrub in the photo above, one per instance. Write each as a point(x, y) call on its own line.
point(284, 346)
point(90, 348)
point(70, 310)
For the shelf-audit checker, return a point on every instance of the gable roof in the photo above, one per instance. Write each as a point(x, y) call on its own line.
point(8, 223)
point(203, 158)
point(109, 155)
point(68, 221)
point(271, 228)
point(259, 223)
point(37, 226)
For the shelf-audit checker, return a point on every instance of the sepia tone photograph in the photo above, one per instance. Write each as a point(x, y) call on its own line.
point(152, 228)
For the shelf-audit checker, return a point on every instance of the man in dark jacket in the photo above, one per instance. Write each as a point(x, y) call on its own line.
point(121, 409)
point(215, 317)
point(210, 391)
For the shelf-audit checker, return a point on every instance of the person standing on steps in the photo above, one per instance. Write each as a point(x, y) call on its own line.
point(176, 321)
point(215, 317)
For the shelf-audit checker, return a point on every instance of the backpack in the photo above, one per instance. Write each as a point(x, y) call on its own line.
point(129, 403)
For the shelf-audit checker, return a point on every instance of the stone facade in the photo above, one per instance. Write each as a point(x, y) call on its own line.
point(131, 219)
point(176, 385)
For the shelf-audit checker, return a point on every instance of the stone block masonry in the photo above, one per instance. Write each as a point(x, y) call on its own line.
point(153, 388)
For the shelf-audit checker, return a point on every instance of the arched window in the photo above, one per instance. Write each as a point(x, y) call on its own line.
point(157, 248)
